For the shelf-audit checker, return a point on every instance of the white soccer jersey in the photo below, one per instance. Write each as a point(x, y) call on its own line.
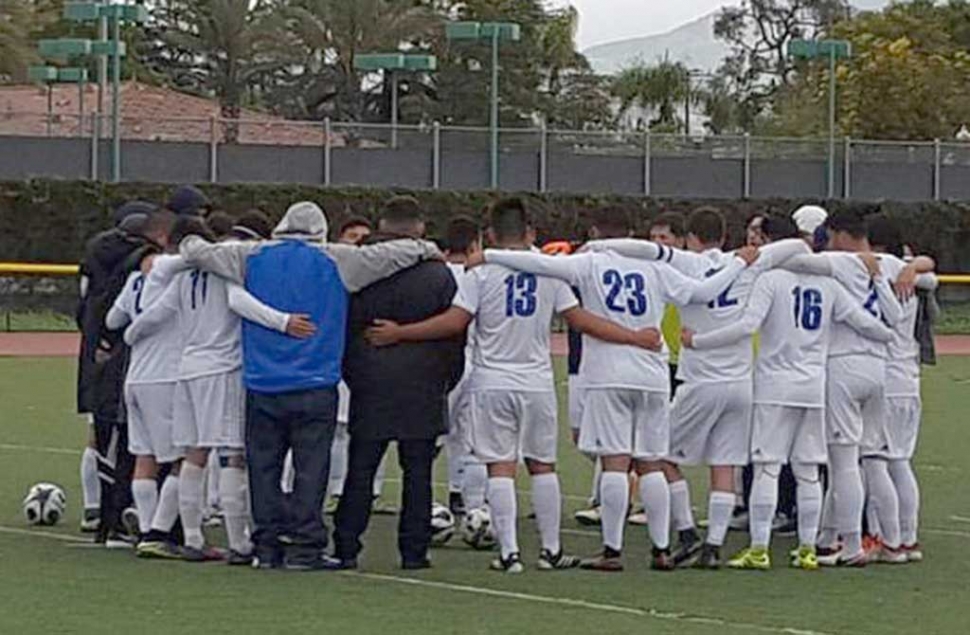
point(795, 315)
point(154, 359)
point(628, 292)
point(513, 312)
point(903, 363)
point(463, 277)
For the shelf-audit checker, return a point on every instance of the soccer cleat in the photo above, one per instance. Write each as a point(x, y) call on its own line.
point(267, 558)
point(118, 540)
point(591, 517)
point(129, 520)
point(330, 508)
point(91, 520)
point(512, 564)
point(212, 517)
point(690, 545)
point(382, 508)
point(416, 565)
point(555, 561)
point(855, 561)
point(805, 558)
point(709, 558)
point(456, 503)
point(752, 558)
point(888, 555)
point(205, 554)
point(315, 563)
point(637, 518)
point(236, 559)
point(739, 519)
point(608, 561)
point(661, 560)
point(158, 550)
point(872, 546)
point(914, 553)
point(784, 525)
point(828, 556)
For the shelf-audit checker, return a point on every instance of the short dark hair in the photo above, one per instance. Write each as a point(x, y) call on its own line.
point(252, 222)
point(707, 223)
point(354, 221)
point(509, 219)
point(674, 220)
point(220, 223)
point(850, 221)
point(190, 225)
point(401, 210)
point(611, 220)
point(462, 232)
point(885, 233)
point(777, 227)
point(159, 221)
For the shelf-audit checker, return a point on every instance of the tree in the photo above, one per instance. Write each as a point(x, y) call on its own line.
point(659, 89)
point(20, 22)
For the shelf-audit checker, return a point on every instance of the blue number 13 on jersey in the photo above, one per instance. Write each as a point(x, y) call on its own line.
point(808, 308)
point(520, 295)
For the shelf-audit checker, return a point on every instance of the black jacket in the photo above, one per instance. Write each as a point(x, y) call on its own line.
point(401, 392)
point(108, 260)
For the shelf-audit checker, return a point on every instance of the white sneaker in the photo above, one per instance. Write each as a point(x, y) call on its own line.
point(512, 564)
point(888, 555)
point(638, 518)
point(591, 517)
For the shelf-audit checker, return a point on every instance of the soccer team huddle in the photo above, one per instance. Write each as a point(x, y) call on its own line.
point(799, 349)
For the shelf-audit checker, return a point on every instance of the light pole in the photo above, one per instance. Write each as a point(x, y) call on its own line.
point(390, 63)
point(495, 32)
point(832, 50)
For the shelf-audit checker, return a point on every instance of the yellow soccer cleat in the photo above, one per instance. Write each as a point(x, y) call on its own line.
point(753, 558)
point(805, 558)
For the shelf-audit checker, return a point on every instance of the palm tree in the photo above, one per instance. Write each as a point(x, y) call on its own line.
point(659, 88)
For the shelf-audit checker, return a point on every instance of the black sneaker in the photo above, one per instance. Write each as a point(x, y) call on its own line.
point(549, 561)
point(267, 558)
point(205, 554)
point(415, 565)
point(119, 540)
point(689, 546)
point(236, 559)
point(661, 560)
point(609, 560)
point(456, 503)
point(512, 564)
point(709, 559)
point(785, 525)
point(314, 563)
point(91, 520)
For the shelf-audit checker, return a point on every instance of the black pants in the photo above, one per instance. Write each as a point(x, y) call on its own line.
point(353, 513)
point(786, 489)
point(275, 423)
point(115, 466)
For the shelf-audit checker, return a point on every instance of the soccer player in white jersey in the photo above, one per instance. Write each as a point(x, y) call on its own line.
point(512, 391)
point(149, 391)
point(794, 314)
point(855, 381)
point(209, 397)
point(626, 391)
point(892, 490)
point(711, 413)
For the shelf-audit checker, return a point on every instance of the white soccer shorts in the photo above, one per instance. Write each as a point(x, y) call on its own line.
point(210, 412)
point(459, 415)
point(618, 421)
point(788, 434)
point(511, 425)
point(150, 409)
point(855, 402)
point(576, 393)
point(903, 416)
point(710, 424)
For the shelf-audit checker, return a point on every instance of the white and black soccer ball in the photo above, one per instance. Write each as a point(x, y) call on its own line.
point(442, 525)
point(476, 529)
point(45, 504)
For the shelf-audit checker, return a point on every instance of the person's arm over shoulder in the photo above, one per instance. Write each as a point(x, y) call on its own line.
point(243, 304)
point(156, 315)
point(813, 264)
point(847, 311)
point(759, 304)
point(777, 253)
point(360, 267)
point(226, 260)
point(683, 290)
point(565, 268)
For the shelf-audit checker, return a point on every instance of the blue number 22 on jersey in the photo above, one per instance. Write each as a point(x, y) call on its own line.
point(636, 301)
point(520, 295)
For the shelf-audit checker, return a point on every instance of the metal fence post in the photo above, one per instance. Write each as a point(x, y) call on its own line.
point(847, 170)
point(436, 156)
point(326, 150)
point(543, 156)
point(647, 186)
point(95, 145)
point(746, 189)
point(937, 168)
point(213, 150)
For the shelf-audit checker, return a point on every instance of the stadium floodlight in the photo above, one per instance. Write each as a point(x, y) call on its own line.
point(832, 50)
point(390, 63)
point(495, 32)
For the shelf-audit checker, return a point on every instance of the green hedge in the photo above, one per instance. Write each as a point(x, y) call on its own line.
point(49, 221)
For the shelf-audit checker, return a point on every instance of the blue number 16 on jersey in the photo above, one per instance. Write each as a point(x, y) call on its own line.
point(520, 295)
point(808, 308)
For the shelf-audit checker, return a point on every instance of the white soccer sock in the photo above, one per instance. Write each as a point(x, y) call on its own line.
point(883, 500)
point(338, 461)
point(871, 519)
point(681, 515)
point(167, 510)
point(144, 491)
point(594, 497)
point(655, 496)
point(212, 489)
point(379, 477)
point(808, 497)
point(764, 502)
point(233, 492)
point(547, 504)
point(907, 488)
point(501, 500)
point(456, 462)
point(720, 506)
point(474, 484)
point(288, 475)
point(614, 501)
point(90, 485)
point(828, 535)
point(849, 495)
point(190, 504)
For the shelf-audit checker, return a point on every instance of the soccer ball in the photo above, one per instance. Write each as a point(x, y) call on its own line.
point(442, 525)
point(45, 504)
point(476, 529)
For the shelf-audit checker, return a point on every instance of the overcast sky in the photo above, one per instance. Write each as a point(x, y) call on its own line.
point(609, 20)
